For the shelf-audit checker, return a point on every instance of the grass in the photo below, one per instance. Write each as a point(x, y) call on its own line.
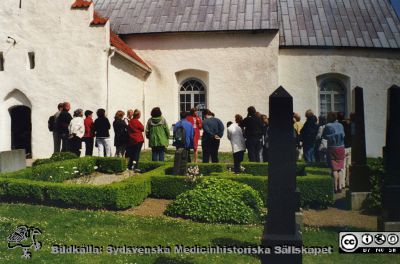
point(102, 228)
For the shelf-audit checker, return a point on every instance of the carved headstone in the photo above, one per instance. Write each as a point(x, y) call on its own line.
point(359, 172)
point(281, 228)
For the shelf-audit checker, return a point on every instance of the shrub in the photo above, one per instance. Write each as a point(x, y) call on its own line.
point(58, 156)
point(218, 201)
point(110, 165)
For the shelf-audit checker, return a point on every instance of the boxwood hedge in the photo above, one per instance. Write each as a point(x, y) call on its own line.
point(35, 184)
point(316, 191)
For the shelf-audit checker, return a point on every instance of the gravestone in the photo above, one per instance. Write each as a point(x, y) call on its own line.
point(12, 160)
point(180, 161)
point(390, 219)
point(281, 228)
point(359, 173)
point(359, 181)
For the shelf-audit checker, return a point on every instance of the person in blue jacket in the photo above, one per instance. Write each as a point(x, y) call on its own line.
point(213, 130)
point(187, 142)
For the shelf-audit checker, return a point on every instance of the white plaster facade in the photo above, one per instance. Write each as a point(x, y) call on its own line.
point(73, 60)
point(372, 69)
point(238, 70)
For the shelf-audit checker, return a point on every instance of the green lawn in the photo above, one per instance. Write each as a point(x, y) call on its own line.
point(77, 227)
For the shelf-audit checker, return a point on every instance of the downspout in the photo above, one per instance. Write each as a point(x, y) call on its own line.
point(144, 109)
point(111, 53)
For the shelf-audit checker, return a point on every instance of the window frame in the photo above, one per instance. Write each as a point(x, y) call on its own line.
point(341, 83)
point(192, 93)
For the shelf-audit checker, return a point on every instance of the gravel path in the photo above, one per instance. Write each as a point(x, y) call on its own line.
point(327, 217)
point(150, 207)
point(337, 217)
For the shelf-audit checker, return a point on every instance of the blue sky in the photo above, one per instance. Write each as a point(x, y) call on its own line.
point(396, 4)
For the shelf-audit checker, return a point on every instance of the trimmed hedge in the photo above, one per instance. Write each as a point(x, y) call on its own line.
point(64, 170)
point(169, 187)
point(19, 186)
point(318, 171)
point(261, 169)
point(58, 156)
point(251, 168)
point(21, 174)
point(35, 185)
point(110, 165)
point(116, 196)
point(205, 169)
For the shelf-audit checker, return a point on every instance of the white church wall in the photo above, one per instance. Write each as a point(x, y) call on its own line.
point(374, 70)
point(70, 58)
point(126, 86)
point(239, 70)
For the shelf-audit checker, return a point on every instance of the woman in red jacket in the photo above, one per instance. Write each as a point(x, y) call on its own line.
point(135, 143)
point(197, 125)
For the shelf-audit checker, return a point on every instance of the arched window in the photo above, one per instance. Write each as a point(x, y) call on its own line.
point(192, 94)
point(332, 96)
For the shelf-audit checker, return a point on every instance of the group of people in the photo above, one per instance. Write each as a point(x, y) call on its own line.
point(70, 131)
point(250, 133)
point(326, 139)
point(321, 139)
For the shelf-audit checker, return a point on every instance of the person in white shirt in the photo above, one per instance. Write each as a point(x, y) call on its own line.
point(235, 135)
point(76, 130)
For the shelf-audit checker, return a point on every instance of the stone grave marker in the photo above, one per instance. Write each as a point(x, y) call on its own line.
point(359, 181)
point(281, 228)
point(390, 219)
point(12, 160)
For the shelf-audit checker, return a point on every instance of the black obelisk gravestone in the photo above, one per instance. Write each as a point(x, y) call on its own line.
point(281, 228)
point(390, 220)
point(359, 172)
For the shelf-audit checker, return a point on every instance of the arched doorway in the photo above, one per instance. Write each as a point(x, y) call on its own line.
point(21, 129)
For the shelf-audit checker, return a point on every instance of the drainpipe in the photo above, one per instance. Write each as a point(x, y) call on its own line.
point(111, 53)
point(144, 109)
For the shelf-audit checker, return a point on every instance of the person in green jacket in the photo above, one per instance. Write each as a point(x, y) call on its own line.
point(157, 132)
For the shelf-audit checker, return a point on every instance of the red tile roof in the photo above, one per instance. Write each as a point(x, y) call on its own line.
point(81, 4)
point(118, 43)
point(98, 20)
point(115, 41)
